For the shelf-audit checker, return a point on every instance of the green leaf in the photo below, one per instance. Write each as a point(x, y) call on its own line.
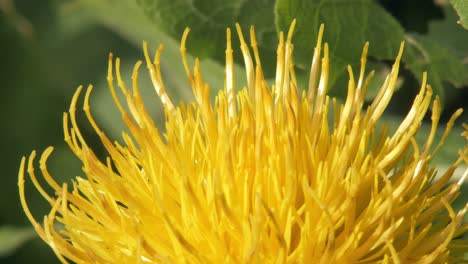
point(12, 238)
point(423, 54)
point(208, 20)
point(127, 16)
point(348, 25)
point(442, 52)
point(462, 9)
point(449, 34)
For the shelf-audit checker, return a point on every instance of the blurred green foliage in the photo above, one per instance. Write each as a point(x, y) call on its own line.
point(48, 48)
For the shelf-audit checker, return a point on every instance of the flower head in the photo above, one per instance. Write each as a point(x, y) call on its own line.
point(267, 174)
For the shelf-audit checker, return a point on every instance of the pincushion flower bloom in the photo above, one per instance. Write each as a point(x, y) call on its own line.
point(263, 175)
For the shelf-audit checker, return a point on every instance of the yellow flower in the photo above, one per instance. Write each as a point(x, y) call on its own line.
point(264, 175)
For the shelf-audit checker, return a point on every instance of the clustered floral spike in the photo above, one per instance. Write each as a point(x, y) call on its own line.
point(264, 175)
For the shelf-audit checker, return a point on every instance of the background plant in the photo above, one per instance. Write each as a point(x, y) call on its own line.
point(48, 48)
